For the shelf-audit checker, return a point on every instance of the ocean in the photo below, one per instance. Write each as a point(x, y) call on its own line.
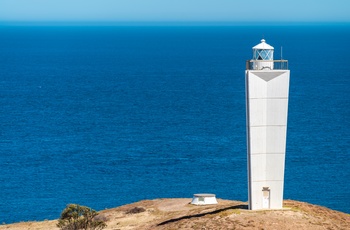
point(109, 115)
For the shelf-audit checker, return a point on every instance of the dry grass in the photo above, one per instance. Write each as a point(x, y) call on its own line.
point(179, 214)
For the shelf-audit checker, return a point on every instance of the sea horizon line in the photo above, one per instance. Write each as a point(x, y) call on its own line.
point(173, 23)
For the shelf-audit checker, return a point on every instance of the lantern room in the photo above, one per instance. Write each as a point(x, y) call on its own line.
point(263, 56)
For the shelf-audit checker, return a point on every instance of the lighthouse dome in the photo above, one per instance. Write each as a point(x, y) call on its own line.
point(263, 46)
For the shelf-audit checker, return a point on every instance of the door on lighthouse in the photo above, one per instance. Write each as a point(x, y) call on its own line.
point(266, 198)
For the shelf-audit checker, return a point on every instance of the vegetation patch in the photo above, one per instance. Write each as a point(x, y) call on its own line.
point(75, 217)
point(136, 210)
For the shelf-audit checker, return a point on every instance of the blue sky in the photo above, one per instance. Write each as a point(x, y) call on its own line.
point(175, 10)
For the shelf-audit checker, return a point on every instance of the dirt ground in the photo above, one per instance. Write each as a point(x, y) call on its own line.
point(179, 214)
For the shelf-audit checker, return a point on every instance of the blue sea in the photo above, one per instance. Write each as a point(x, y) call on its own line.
point(109, 115)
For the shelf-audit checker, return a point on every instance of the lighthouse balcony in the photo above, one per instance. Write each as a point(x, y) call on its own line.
point(267, 65)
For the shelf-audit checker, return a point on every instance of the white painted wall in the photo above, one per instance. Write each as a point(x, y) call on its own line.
point(267, 108)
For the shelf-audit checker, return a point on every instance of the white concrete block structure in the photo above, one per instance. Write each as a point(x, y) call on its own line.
point(204, 199)
point(267, 89)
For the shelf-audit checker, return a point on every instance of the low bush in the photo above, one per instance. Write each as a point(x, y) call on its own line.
point(76, 217)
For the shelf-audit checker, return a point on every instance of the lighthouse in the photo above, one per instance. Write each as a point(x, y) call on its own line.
point(267, 89)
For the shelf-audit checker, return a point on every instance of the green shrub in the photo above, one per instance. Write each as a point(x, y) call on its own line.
point(75, 217)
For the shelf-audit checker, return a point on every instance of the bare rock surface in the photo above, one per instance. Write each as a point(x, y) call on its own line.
point(227, 214)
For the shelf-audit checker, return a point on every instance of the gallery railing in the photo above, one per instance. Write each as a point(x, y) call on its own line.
point(266, 64)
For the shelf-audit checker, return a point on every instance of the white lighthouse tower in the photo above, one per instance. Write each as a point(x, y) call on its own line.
point(267, 87)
